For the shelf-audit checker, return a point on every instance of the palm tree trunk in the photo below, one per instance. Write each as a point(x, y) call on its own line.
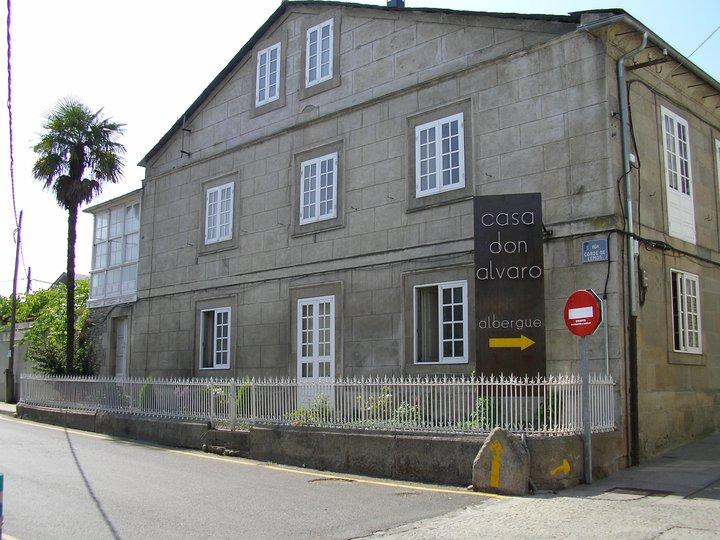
point(70, 318)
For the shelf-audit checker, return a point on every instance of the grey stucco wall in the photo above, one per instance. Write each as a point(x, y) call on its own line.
point(19, 365)
point(679, 393)
point(379, 52)
point(538, 121)
point(542, 119)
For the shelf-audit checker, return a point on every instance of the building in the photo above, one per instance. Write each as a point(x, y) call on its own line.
point(311, 213)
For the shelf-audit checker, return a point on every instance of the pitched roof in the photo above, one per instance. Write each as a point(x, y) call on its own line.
point(237, 59)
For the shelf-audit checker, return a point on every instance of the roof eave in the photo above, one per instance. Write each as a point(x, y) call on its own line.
point(661, 43)
point(216, 81)
point(112, 202)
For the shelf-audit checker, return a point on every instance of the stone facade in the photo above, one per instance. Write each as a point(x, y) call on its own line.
point(538, 99)
point(678, 392)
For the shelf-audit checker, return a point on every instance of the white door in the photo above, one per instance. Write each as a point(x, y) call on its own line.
point(315, 350)
point(121, 347)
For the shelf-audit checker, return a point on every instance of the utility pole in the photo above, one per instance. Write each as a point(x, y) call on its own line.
point(9, 374)
point(28, 285)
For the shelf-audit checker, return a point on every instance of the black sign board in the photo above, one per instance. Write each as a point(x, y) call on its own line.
point(509, 285)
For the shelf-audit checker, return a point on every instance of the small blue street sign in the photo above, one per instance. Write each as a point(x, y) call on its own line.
point(595, 250)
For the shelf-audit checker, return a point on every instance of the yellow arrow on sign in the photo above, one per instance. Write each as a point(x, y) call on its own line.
point(522, 342)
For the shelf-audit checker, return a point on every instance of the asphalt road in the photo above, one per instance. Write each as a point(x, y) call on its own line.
point(64, 483)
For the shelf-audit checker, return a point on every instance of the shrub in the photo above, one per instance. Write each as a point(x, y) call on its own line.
point(483, 416)
point(318, 411)
point(46, 338)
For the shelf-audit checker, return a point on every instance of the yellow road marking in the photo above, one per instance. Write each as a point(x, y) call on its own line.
point(280, 468)
point(57, 428)
point(6, 536)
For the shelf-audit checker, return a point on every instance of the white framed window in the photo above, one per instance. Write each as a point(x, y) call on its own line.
point(678, 176)
point(439, 156)
point(215, 338)
point(318, 189)
point(219, 213)
point(268, 75)
point(319, 53)
point(316, 338)
point(116, 246)
point(441, 323)
point(687, 335)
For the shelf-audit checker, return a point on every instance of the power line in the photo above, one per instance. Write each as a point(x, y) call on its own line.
point(10, 118)
point(689, 55)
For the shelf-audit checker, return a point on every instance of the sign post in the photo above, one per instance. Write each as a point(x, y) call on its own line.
point(583, 315)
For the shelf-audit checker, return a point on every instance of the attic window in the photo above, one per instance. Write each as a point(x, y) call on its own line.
point(318, 67)
point(268, 75)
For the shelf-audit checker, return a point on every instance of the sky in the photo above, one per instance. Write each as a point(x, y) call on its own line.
point(145, 62)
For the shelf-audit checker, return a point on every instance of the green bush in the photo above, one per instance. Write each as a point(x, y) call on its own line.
point(379, 409)
point(46, 338)
point(29, 306)
point(483, 416)
point(242, 399)
point(407, 414)
point(318, 411)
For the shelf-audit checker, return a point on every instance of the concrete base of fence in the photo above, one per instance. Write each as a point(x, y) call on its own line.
point(423, 458)
point(167, 432)
point(84, 421)
point(235, 441)
point(555, 462)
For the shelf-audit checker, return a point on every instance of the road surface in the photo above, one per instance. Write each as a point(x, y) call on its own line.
point(70, 484)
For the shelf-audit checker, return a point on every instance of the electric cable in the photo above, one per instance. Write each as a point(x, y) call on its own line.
point(10, 116)
point(696, 49)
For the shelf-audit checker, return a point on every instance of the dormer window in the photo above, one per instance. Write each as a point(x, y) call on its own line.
point(268, 75)
point(319, 53)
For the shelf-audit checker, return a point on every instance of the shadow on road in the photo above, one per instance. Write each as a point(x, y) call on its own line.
point(90, 489)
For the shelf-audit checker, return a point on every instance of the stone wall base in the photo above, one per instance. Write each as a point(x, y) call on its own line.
point(555, 462)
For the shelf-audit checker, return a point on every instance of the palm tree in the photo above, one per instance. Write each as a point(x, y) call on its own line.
point(77, 153)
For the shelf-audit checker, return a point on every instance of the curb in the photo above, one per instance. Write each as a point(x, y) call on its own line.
point(8, 412)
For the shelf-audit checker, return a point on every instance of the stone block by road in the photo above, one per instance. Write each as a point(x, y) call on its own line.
point(502, 465)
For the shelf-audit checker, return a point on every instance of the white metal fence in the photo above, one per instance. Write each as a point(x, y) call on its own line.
point(535, 406)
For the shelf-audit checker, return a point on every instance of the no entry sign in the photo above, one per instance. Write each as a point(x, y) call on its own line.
point(583, 312)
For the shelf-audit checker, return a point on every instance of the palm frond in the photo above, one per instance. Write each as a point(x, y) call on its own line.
point(77, 152)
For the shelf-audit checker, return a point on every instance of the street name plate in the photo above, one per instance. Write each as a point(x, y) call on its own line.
point(509, 284)
point(595, 250)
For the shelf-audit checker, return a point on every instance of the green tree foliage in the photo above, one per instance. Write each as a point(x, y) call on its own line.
point(77, 152)
point(28, 307)
point(47, 337)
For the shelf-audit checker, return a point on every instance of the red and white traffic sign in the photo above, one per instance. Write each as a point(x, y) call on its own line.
point(583, 312)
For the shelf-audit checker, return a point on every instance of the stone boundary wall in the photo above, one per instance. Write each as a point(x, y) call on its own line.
point(556, 462)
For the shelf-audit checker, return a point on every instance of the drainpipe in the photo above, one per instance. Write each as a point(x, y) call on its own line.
point(633, 418)
point(633, 435)
point(625, 131)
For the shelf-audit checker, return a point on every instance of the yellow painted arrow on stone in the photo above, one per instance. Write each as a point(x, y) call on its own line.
point(522, 342)
point(564, 468)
